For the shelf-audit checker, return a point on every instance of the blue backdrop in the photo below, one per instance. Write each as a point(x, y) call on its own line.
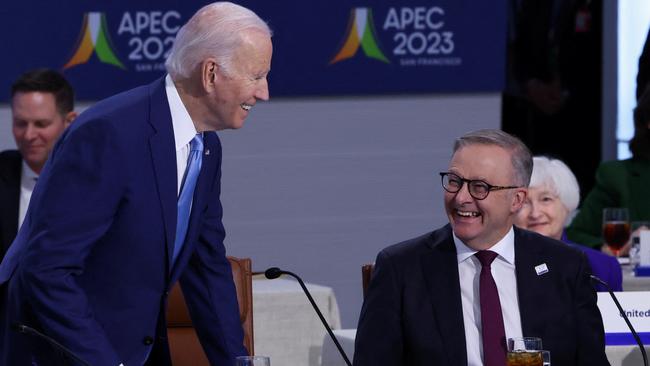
point(321, 47)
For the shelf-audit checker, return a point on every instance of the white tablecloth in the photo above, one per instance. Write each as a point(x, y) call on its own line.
point(331, 355)
point(286, 327)
point(632, 283)
point(617, 355)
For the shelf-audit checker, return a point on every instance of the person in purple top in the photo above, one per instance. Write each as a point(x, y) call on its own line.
point(553, 196)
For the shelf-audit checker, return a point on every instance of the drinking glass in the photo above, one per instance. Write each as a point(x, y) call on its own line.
point(253, 361)
point(546, 356)
point(616, 228)
point(525, 351)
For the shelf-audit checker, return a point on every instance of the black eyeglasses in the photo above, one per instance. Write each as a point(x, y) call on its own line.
point(478, 189)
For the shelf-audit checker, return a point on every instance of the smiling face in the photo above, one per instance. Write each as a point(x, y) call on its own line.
point(482, 223)
point(543, 212)
point(37, 124)
point(232, 94)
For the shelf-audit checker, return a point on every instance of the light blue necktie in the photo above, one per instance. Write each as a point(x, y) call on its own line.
point(187, 193)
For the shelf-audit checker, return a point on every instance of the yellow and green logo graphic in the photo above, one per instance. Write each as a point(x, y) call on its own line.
point(94, 37)
point(361, 32)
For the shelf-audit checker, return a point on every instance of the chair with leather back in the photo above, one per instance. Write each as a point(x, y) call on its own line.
point(184, 343)
point(366, 276)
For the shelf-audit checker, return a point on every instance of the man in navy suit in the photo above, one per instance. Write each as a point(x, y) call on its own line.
point(129, 203)
point(453, 296)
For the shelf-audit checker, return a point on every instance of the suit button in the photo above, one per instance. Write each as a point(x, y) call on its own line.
point(148, 341)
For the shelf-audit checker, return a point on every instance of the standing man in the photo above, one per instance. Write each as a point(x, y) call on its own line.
point(453, 296)
point(42, 106)
point(129, 203)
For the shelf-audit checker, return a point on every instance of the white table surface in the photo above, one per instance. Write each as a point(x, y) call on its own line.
point(633, 283)
point(331, 355)
point(286, 327)
point(617, 355)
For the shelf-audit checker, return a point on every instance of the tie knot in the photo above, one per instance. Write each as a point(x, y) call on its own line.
point(486, 257)
point(197, 143)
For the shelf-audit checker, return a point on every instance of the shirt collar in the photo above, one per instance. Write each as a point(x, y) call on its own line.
point(27, 173)
point(505, 248)
point(184, 129)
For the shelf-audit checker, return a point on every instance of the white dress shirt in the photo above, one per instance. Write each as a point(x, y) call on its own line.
point(28, 180)
point(184, 129)
point(503, 271)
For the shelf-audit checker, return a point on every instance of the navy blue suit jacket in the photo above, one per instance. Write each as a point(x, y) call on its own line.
point(10, 170)
point(91, 266)
point(412, 314)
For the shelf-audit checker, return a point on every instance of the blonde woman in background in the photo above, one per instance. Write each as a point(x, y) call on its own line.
point(553, 196)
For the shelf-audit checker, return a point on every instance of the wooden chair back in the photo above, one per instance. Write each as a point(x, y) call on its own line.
point(366, 276)
point(184, 343)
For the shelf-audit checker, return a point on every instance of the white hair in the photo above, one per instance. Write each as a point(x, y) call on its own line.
point(558, 179)
point(214, 31)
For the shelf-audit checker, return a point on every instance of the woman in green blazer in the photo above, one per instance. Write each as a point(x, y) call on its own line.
point(622, 183)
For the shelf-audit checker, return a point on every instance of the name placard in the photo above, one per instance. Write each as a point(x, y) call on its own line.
point(644, 240)
point(637, 308)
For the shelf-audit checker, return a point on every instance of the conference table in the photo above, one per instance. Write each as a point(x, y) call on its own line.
point(617, 355)
point(633, 283)
point(286, 327)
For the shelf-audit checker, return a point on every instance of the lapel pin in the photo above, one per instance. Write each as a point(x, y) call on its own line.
point(207, 152)
point(541, 269)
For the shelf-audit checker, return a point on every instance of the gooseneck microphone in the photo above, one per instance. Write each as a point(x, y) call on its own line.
point(627, 321)
point(24, 329)
point(275, 272)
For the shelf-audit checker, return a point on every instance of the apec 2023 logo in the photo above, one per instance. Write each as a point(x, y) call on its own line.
point(144, 38)
point(419, 37)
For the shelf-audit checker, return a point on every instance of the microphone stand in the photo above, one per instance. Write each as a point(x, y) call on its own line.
point(274, 272)
point(24, 329)
point(627, 321)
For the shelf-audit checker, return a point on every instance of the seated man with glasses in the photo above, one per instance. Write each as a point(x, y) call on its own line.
point(453, 296)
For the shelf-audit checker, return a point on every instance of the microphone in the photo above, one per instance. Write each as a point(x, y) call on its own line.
point(275, 272)
point(627, 321)
point(24, 329)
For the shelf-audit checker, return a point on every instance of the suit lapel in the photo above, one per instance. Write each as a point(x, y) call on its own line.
point(441, 275)
point(10, 198)
point(163, 156)
point(532, 289)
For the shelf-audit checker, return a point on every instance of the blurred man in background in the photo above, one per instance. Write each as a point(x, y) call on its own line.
point(42, 106)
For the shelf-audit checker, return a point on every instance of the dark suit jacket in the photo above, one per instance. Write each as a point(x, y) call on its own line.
point(10, 170)
point(643, 76)
point(91, 266)
point(412, 313)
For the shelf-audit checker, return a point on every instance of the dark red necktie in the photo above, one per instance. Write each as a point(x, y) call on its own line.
point(494, 335)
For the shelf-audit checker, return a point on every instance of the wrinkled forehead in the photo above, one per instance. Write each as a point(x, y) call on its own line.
point(488, 156)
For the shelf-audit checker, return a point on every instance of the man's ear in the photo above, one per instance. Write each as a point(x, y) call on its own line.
point(518, 199)
point(209, 76)
point(69, 117)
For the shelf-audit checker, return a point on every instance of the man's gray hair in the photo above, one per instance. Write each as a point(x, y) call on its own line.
point(522, 161)
point(214, 31)
point(557, 178)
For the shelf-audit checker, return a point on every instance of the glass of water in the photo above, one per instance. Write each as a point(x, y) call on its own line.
point(253, 361)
